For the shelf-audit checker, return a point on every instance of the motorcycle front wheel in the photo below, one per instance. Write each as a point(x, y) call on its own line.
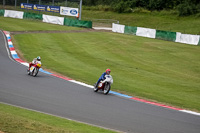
point(35, 72)
point(106, 88)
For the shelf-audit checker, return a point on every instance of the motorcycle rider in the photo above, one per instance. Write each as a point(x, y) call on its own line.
point(103, 76)
point(35, 60)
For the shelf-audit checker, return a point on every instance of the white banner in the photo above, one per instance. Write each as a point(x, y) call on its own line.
point(146, 32)
point(69, 11)
point(13, 14)
point(118, 28)
point(187, 38)
point(53, 19)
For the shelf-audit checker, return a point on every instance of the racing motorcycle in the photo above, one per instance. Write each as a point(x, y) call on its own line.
point(104, 85)
point(34, 69)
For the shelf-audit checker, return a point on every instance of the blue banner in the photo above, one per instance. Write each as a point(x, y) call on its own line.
point(55, 9)
point(26, 6)
point(39, 7)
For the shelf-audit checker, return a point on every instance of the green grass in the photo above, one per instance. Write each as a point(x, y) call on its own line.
point(13, 24)
point(18, 120)
point(163, 20)
point(164, 71)
point(159, 70)
point(154, 20)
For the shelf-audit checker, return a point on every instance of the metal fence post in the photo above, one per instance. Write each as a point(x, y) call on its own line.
point(39, 2)
point(66, 3)
point(27, 1)
point(52, 2)
point(80, 9)
point(4, 2)
point(15, 4)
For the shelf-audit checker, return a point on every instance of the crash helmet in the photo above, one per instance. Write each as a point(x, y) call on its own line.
point(38, 58)
point(108, 71)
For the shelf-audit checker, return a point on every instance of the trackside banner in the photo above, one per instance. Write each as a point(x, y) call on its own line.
point(39, 7)
point(53, 19)
point(14, 14)
point(26, 6)
point(55, 9)
point(118, 28)
point(69, 11)
point(187, 38)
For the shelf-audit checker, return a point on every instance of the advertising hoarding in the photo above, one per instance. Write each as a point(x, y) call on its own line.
point(26, 6)
point(56, 9)
point(69, 11)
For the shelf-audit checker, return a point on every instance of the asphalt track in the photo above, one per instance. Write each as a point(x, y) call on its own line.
point(62, 98)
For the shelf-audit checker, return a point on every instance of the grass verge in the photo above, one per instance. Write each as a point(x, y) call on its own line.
point(18, 120)
point(160, 20)
point(154, 20)
point(13, 24)
point(160, 70)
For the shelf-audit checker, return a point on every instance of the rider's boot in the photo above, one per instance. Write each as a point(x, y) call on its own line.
point(96, 85)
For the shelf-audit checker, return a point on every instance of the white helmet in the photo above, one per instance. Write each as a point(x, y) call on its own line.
point(38, 58)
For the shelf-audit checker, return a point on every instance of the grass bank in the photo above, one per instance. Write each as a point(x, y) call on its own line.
point(18, 120)
point(13, 24)
point(160, 20)
point(164, 71)
point(159, 70)
point(156, 20)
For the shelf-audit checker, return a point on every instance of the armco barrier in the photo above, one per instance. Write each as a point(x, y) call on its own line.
point(118, 28)
point(130, 30)
point(28, 15)
point(166, 35)
point(2, 12)
point(187, 38)
point(14, 14)
point(77, 23)
point(152, 33)
point(53, 19)
point(46, 18)
point(146, 32)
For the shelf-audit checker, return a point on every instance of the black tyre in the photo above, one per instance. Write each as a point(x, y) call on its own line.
point(35, 72)
point(106, 88)
point(28, 72)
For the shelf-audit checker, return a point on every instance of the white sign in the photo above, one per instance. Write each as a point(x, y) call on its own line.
point(69, 11)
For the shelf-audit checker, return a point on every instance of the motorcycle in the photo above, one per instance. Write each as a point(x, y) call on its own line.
point(34, 69)
point(104, 85)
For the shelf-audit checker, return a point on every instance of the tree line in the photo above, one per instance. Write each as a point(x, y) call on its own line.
point(184, 7)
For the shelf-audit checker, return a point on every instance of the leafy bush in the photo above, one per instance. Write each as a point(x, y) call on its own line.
point(156, 5)
point(124, 6)
point(140, 10)
point(98, 8)
point(187, 8)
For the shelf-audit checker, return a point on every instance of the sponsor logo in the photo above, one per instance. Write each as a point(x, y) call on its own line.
point(64, 11)
point(22, 6)
point(73, 12)
point(35, 7)
point(48, 8)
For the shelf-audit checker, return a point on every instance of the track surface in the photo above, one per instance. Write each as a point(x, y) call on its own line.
point(55, 96)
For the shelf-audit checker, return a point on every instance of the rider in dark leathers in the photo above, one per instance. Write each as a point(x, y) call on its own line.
point(103, 76)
